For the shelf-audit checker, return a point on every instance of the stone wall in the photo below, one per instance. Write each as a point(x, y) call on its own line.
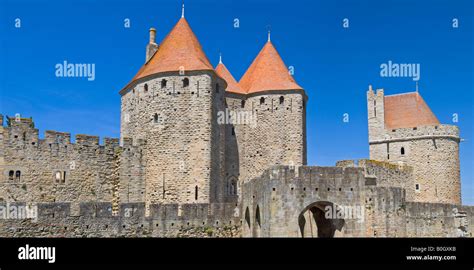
point(439, 220)
point(375, 114)
point(184, 153)
point(279, 136)
point(385, 174)
point(433, 151)
point(272, 203)
point(282, 203)
point(385, 211)
point(54, 169)
point(235, 134)
point(97, 220)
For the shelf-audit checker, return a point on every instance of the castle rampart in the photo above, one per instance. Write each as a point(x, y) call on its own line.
point(97, 219)
point(54, 169)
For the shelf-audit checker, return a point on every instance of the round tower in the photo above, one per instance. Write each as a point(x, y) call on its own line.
point(403, 130)
point(171, 106)
point(279, 105)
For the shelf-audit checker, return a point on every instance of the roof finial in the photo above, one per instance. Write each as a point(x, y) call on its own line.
point(416, 86)
point(182, 11)
point(220, 58)
point(269, 28)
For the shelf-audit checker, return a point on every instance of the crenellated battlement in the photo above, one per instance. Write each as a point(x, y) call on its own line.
point(310, 179)
point(98, 219)
point(54, 169)
point(52, 136)
point(22, 132)
point(87, 140)
point(18, 121)
point(189, 211)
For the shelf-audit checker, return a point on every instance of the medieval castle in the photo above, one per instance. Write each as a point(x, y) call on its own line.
point(178, 171)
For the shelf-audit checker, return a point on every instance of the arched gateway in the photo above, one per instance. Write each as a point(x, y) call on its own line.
point(315, 220)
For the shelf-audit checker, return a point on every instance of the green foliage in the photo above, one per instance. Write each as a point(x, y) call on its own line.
point(209, 231)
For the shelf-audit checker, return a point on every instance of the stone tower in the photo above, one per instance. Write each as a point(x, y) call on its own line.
point(170, 107)
point(278, 105)
point(403, 130)
point(238, 120)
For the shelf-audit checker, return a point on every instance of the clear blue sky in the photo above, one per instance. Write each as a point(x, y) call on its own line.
point(334, 65)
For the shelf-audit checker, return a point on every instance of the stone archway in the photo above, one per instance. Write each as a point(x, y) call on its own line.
point(313, 221)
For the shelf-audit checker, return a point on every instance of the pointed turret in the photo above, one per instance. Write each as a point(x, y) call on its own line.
point(232, 85)
point(268, 72)
point(179, 51)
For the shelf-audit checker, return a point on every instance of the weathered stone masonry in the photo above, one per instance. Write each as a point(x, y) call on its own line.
point(178, 172)
point(275, 205)
point(55, 170)
point(431, 149)
point(176, 115)
point(96, 219)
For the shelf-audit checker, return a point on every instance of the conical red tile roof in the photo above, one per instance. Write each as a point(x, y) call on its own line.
point(180, 48)
point(406, 111)
point(232, 85)
point(268, 72)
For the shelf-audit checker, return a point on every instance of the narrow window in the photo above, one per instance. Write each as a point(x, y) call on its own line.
point(196, 193)
point(417, 187)
point(64, 177)
point(155, 118)
point(388, 151)
point(58, 177)
point(145, 87)
point(233, 187)
point(262, 100)
point(11, 174)
point(247, 217)
point(163, 83)
point(402, 151)
point(375, 108)
point(17, 175)
point(217, 88)
point(257, 216)
point(185, 82)
point(282, 99)
point(242, 103)
point(233, 131)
